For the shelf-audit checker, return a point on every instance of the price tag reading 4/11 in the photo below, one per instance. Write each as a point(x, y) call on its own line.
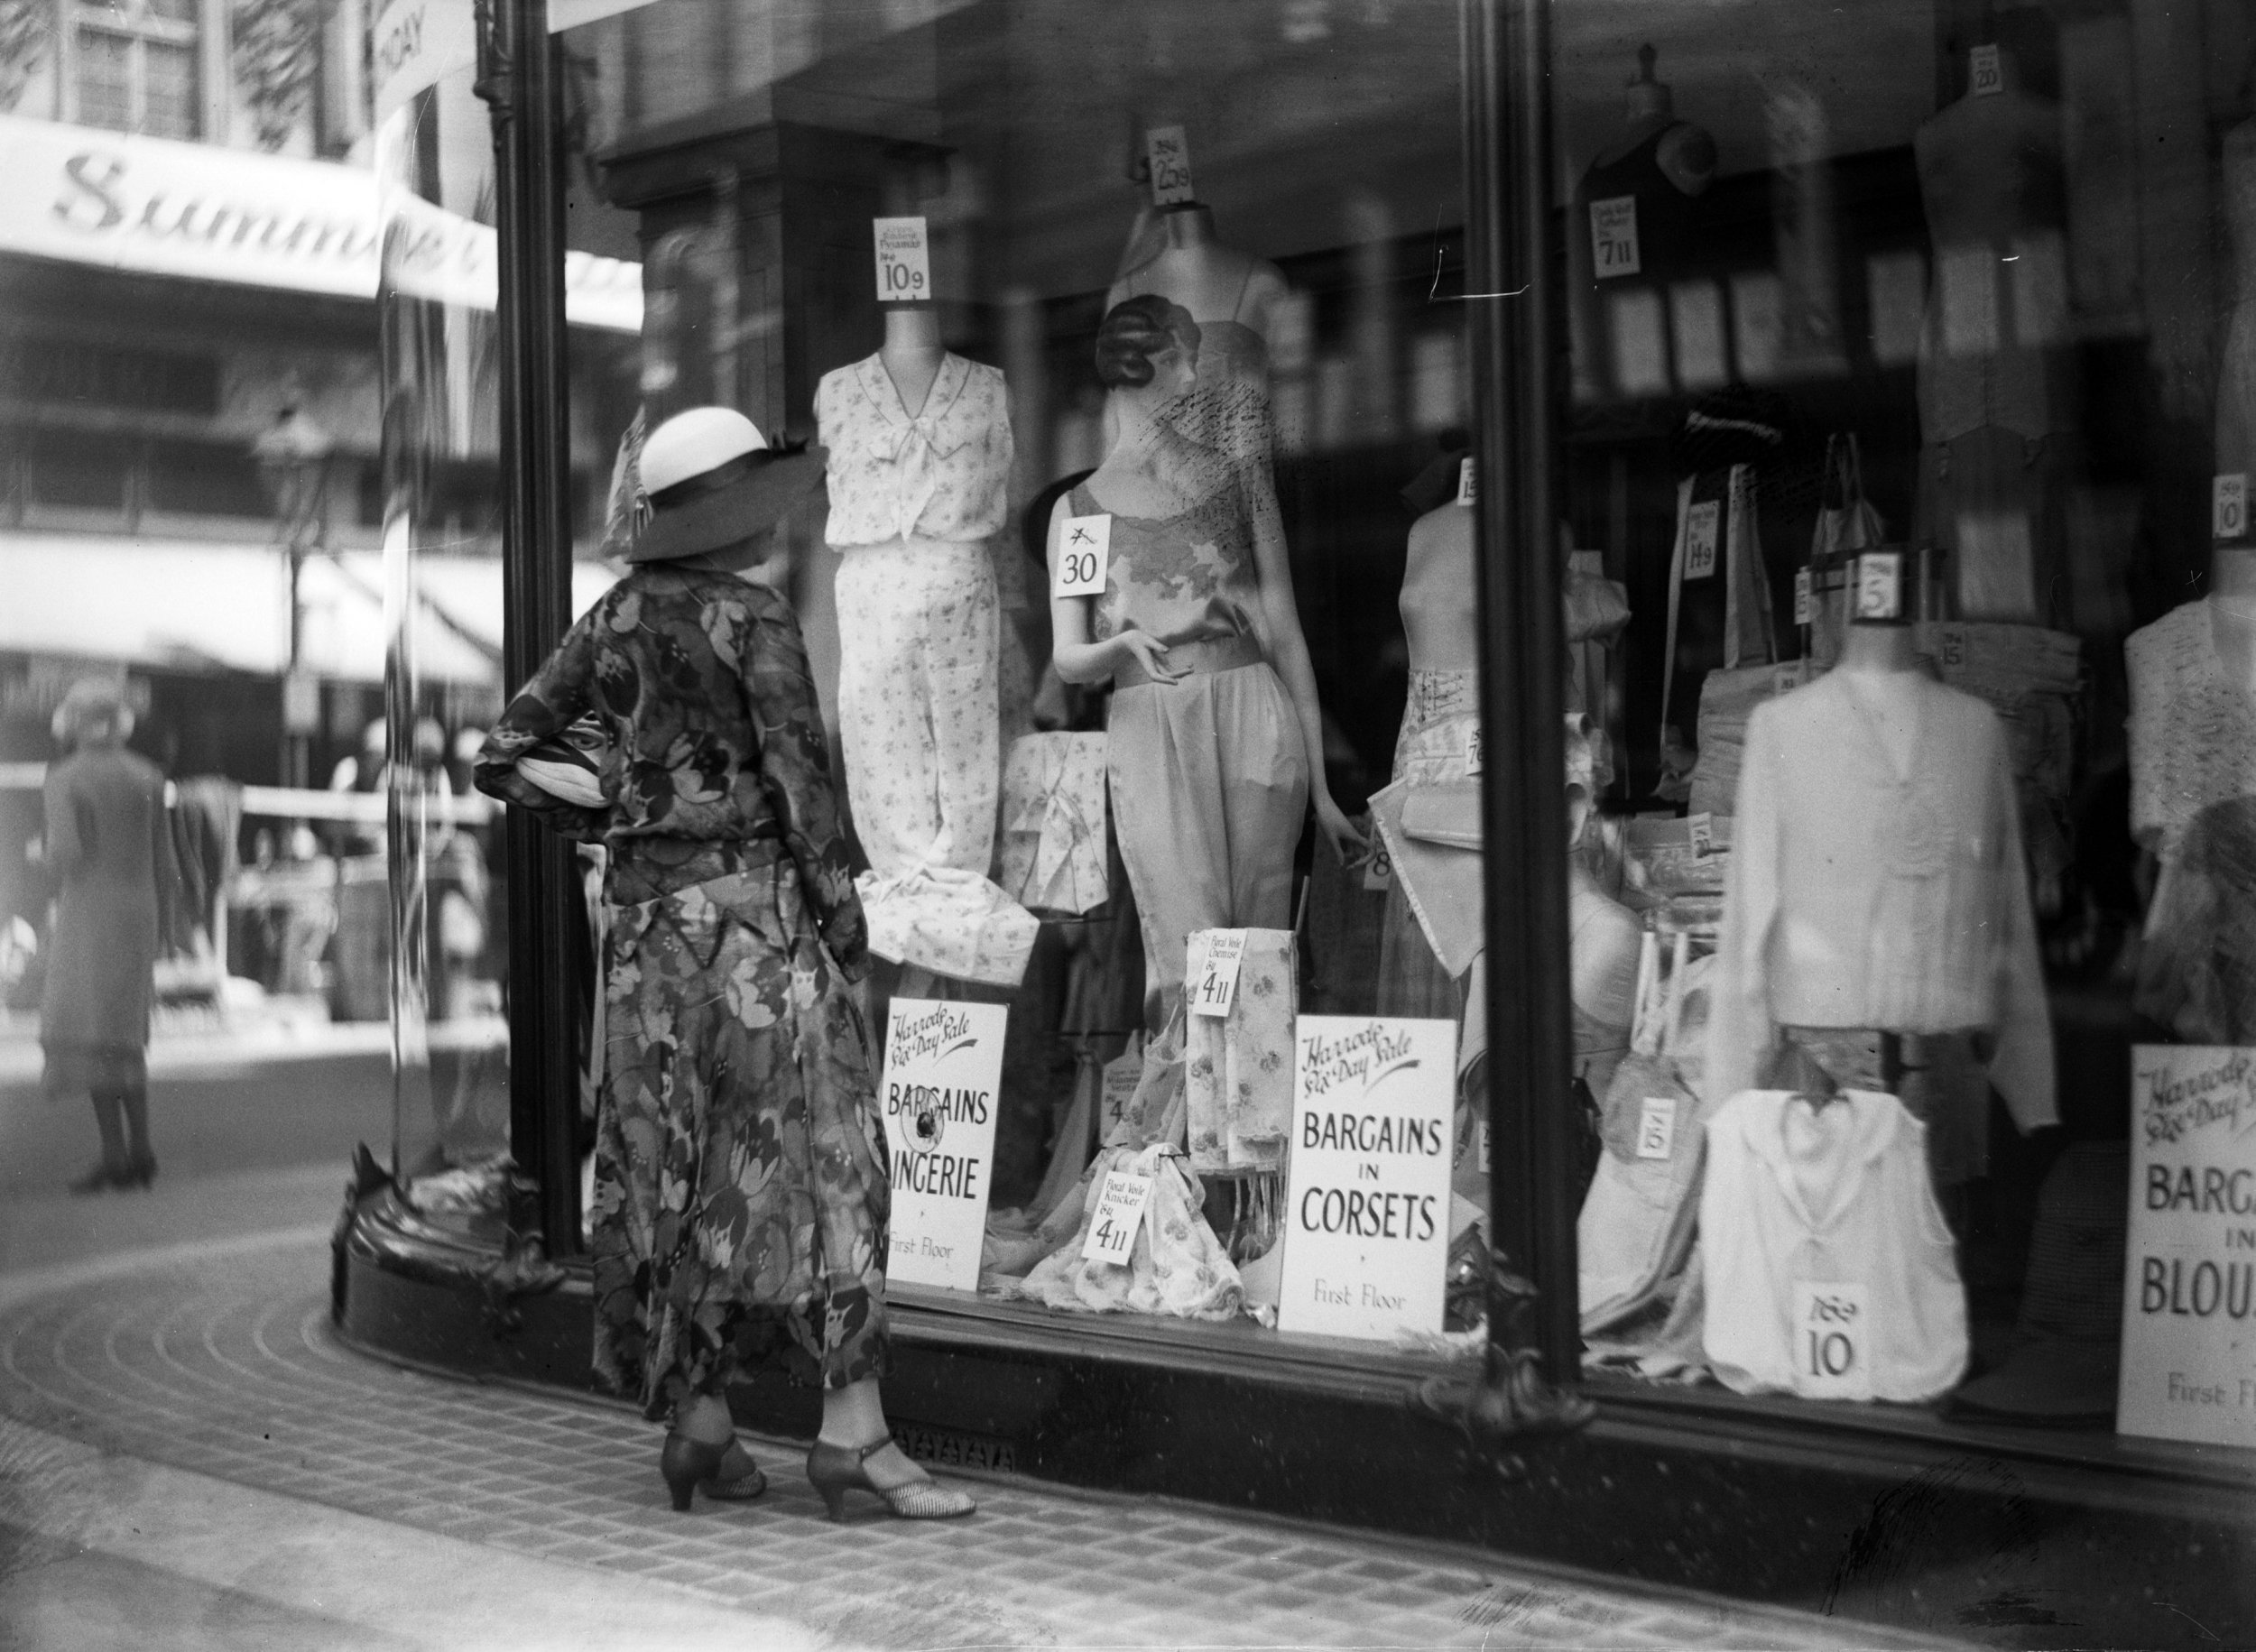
point(1832, 1339)
point(1119, 1214)
point(1085, 546)
point(2228, 506)
point(904, 262)
point(1215, 980)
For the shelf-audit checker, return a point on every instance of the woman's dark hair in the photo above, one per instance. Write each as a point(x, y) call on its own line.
point(1136, 330)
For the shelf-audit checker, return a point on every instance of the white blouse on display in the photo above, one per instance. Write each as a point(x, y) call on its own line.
point(1828, 1197)
point(2193, 729)
point(1866, 893)
point(943, 475)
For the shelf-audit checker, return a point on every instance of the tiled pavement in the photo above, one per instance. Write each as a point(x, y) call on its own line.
point(223, 1365)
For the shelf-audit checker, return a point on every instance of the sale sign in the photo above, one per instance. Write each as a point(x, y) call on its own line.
point(2188, 1367)
point(1366, 1238)
point(943, 1068)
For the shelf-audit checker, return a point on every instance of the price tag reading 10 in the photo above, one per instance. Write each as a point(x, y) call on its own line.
point(904, 263)
point(1085, 546)
point(1217, 981)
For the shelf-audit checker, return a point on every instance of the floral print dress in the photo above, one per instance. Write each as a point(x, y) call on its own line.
point(741, 1175)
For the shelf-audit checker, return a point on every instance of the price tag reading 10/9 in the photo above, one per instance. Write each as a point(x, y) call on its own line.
point(1218, 979)
point(1085, 546)
point(904, 262)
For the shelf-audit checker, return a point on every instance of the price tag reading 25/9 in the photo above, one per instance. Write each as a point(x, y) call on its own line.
point(1085, 547)
point(1119, 1214)
point(1217, 980)
point(904, 260)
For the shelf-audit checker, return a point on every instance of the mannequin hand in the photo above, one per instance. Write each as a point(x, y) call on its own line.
point(1336, 827)
point(1148, 652)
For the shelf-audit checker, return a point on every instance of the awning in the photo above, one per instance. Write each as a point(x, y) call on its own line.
point(190, 605)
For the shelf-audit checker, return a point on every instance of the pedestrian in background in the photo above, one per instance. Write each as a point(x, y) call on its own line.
point(110, 855)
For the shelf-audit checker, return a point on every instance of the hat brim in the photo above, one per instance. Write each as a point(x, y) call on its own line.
point(751, 505)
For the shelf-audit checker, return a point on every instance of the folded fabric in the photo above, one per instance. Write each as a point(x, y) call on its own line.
point(1177, 1266)
point(1727, 700)
point(1443, 883)
point(950, 921)
point(1053, 853)
point(1238, 1076)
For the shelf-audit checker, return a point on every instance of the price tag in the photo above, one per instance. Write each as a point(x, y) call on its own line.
point(2228, 506)
point(1950, 646)
point(1878, 586)
point(1701, 828)
point(904, 260)
point(1473, 750)
point(1169, 153)
point(1084, 548)
point(1467, 489)
point(1785, 679)
point(1119, 1214)
point(1378, 869)
point(1804, 599)
point(1703, 535)
point(1613, 236)
point(1217, 981)
point(1833, 1341)
point(1122, 1074)
point(1985, 74)
point(1656, 1126)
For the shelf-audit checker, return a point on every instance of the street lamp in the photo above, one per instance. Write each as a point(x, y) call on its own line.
point(293, 462)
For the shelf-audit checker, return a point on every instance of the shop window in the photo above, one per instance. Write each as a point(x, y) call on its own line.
point(204, 479)
point(137, 65)
point(79, 471)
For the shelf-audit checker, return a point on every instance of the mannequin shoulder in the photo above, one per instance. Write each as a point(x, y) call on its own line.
point(1686, 155)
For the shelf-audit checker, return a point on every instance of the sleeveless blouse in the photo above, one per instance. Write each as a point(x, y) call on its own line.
point(1182, 578)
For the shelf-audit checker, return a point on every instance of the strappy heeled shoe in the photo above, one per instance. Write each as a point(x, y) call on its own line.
point(835, 1470)
point(691, 1466)
point(101, 1178)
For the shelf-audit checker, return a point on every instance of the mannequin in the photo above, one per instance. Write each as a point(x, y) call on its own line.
point(1219, 285)
point(1603, 936)
point(1664, 166)
point(1996, 394)
point(1876, 912)
point(919, 469)
point(2193, 706)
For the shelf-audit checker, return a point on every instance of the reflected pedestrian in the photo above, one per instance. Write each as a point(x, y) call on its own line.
point(741, 1182)
point(107, 848)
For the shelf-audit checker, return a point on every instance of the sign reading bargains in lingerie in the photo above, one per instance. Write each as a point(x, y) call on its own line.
point(152, 206)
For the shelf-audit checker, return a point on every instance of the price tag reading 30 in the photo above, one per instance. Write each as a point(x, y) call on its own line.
point(904, 260)
point(1119, 1214)
point(1215, 982)
point(1085, 547)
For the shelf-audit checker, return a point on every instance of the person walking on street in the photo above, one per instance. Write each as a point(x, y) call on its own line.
point(108, 849)
point(741, 1179)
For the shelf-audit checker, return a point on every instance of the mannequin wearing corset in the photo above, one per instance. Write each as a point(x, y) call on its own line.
point(1995, 385)
point(1665, 166)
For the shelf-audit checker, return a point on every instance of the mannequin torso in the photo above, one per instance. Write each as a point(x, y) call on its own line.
point(1438, 617)
point(912, 354)
point(1216, 283)
point(1990, 168)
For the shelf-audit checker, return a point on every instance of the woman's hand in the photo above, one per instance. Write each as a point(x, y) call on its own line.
point(1148, 651)
point(1332, 822)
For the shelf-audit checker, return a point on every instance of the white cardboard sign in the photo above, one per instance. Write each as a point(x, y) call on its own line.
point(2190, 1289)
point(1613, 236)
point(1832, 1339)
point(1169, 153)
point(1703, 536)
point(904, 260)
point(2228, 505)
point(1985, 75)
point(1084, 548)
point(1214, 972)
point(1119, 1214)
point(943, 1066)
point(1366, 1242)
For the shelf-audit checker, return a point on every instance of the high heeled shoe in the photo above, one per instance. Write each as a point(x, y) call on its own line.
point(138, 1173)
point(835, 1470)
point(690, 1466)
point(101, 1178)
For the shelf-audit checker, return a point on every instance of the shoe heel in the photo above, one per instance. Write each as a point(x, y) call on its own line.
point(684, 1462)
point(833, 1500)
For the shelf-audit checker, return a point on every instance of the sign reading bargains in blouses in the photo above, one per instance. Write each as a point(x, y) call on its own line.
point(152, 206)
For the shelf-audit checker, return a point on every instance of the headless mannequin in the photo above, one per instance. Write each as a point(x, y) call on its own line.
point(1685, 153)
point(912, 353)
point(2232, 614)
point(1990, 167)
point(1438, 623)
point(1213, 281)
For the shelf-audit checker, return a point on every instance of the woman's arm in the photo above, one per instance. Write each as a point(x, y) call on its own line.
point(555, 697)
point(795, 771)
point(1078, 658)
point(1287, 649)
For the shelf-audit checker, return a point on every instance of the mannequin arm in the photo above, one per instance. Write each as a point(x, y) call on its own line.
point(1288, 649)
point(1073, 654)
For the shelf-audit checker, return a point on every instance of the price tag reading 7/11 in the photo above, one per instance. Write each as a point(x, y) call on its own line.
point(1119, 1214)
point(1215, 982)
point(1085, 546)
point(904, 262)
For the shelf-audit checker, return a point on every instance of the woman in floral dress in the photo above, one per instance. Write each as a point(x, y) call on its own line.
point(741, 1172)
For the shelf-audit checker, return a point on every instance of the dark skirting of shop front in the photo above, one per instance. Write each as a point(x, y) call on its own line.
point(1883, 1514)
